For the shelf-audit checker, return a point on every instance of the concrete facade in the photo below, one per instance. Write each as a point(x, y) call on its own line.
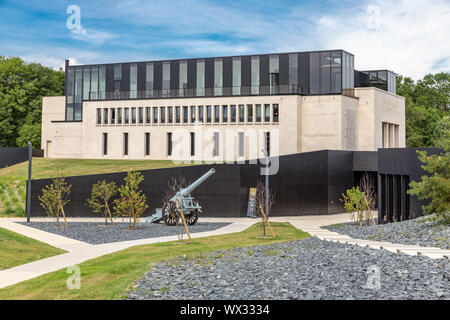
point(306, 123)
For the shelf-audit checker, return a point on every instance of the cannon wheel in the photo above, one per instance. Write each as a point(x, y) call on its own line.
point(172, 217)
point(192, 217)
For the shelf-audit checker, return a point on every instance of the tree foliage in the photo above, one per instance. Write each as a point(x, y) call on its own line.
point(101, 194)
point(22, 86)
point(436, 186)
point(132, 202)
point(355, 204)
point(427, 101)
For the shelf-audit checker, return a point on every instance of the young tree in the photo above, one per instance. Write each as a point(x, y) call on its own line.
point(132, 202)
point(54, 197)
point(354, 203)
point(101, 194)
point(260, 202)
point(436, 186)
point(368, 189)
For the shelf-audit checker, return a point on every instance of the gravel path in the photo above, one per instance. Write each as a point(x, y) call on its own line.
point(97, 233)
point(304, 269)
point(412, 232)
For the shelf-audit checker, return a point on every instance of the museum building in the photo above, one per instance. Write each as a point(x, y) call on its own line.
point(223, 108)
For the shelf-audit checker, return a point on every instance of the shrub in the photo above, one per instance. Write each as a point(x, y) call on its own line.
point(101, 194)
point(132, 202)
point(354, 202)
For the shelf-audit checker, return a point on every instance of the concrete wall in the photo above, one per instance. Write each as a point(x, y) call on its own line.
point(306, 123)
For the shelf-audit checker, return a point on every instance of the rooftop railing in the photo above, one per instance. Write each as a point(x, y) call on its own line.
point(198, 92)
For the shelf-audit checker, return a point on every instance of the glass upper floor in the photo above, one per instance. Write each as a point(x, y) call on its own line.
point(304, 73)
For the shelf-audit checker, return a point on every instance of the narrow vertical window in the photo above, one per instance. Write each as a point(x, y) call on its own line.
point(165, 78)
point(113, 116)
point(185, 114)
point(155, 114)
point(255, 75)
point(163, 114)
point(236, 76)
point(147, 143)
point(94, 84)
point(249, 113)
point(133, 115)
point(224, 113)
point(218, 77)
point(105, 116)
point(119, 116)
point(141, 115)
point(133, 81)
point(192, 144)
point(233, 113)
point(182, 84)
point(105, 143)
point(127, 115)
point(241, 113)
point(149, 79)
point(86, 83)
point(241, 144)
point(216, 144)
point(267, 113)
point(148, 114)
point(275, 112)
point(169, 143)
point(208, 114)
point(193, 109)
point(200, 113)
point(102, 82)
point(200, 78)
point(216, 114)
point(267, 142)
point(170, 114)
point(125, 143)
point(258, 112)
point(177, 114)
point(99, 116)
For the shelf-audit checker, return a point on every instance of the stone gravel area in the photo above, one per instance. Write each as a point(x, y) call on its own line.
point(304, 269)
point(412, 232)
point(97, 233)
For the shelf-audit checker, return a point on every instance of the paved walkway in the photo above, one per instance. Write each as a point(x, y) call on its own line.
point(78, 251)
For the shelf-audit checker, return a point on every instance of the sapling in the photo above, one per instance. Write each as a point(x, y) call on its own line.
point(101, 194)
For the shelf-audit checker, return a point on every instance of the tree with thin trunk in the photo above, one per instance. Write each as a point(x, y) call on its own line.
point(368, 189)
point(132, 202)
point(173, 186)
point(54, 197)
point(260, 203)
point(101, 194)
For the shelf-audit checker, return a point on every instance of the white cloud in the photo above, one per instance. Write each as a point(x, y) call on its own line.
point(411, 37)
point(91, 36)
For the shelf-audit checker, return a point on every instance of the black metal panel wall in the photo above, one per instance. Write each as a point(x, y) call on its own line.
point(11, 156)
point(209, 73)
point(246, 73)
point(340, 177)
point(264, 70)
point(227, 72)
point(365, 161)
point(217, 195)
point(284, 68)
point(110, 77)
point(192, 74)
point(125, 83)
point(157, 75)
point(303, 69)
point(141, 81)
point(397, 167)
point(174, 74)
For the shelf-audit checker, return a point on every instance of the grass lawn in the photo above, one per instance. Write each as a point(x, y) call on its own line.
point(108, 277)
point(16, 249)
point(13, 178)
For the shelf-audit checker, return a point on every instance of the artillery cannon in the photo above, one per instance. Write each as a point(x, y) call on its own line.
point(169, 213)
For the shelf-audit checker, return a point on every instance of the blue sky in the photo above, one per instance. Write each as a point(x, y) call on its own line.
point(410, 37)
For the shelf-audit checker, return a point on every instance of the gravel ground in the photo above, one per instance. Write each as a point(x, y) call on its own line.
point(97, 233)
point(413, 232)
point(304, 269)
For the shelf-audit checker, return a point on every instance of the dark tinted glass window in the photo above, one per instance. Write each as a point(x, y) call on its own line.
point(325, 72)
point(314, 72)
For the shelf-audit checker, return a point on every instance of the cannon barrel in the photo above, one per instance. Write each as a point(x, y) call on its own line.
point(188, 190)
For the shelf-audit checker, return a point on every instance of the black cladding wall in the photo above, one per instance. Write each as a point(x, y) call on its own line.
point(306, 183)
point(10, 156)
point(397, 167)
